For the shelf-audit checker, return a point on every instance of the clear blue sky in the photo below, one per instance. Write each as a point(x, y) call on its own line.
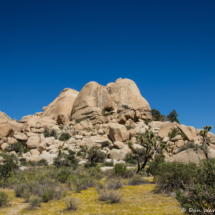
point(167, 47)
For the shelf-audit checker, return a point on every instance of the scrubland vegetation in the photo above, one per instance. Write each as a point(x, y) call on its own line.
point(191, 184)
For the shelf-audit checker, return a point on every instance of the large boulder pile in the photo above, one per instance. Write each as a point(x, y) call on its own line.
point(103, 117)
point(94, 98)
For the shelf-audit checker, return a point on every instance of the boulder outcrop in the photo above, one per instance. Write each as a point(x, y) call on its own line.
point(95, 97)
point(63, 104)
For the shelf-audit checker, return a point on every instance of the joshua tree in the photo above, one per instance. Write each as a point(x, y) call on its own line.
point(150, 142)
point(206, 140)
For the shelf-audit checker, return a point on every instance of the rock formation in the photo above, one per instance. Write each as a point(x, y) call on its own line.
point(105, 117)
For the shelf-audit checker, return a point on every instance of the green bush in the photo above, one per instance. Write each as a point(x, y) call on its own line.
point(154, 164)
point(173, 175)
point(7, 167)
point(96, 155)
point(64, 137)
point(132, 160)
point(42, 162)
point(200, 194)
point(120, 169)
point(105, 144)
point(91, 164)
point(176, 131)
point(25, 150)
point(125, 107)
point(4, 199)
point(46, 132)
point(78, 120)
point(108, 163)
point(17, 147)
point(50, 133)
point(53, 133)
point(22, 161)
point(63, 175)
point(66, 160)
point(129, 127)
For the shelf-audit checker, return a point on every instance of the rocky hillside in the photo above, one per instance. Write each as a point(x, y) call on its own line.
point(106, 117)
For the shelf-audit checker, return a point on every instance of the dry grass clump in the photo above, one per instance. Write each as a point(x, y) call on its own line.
point(72, 203)
point(34, 202)
point(4, 199)
point(114, 184)
point(137, 180)
point(112, 196)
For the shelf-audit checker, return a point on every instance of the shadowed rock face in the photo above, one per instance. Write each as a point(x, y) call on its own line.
point(95, 97)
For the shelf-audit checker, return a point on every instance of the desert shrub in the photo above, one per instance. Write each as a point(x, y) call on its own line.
point(125, 107)
point(34, 202)
point(50, 133)
point(84, 183)
point(120, 169)
point(147, 121)
point(189, 145)
point(174, 175)
point(114, 184)
point(19, 189)
point(22, 161)
point(46, 132)
point(42, 162)
point(173, 116)
point(7, 167)
point(200, 194)
point(106, 112)
point(53, 133)
point(66, 160)
point(154, 164)
point(72, 203)
point(129, 127)
point(25, 150)
point(105, 144)
point(26, 195)
point(108, 164)
point(64, 137)
point(103, 194)
point(112, 196)
point(173, 132)
point(137, 180)
point(132, 160)
point(78, 120)
point(91, 164)
point(17, 147)
point(96, 155)
point(4, 199)
point(63, 175)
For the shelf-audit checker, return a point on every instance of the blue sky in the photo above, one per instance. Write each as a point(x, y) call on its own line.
point(167, 47)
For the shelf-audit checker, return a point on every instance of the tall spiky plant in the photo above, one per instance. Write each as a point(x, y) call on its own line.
point(150, 142)
point(206, 140)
